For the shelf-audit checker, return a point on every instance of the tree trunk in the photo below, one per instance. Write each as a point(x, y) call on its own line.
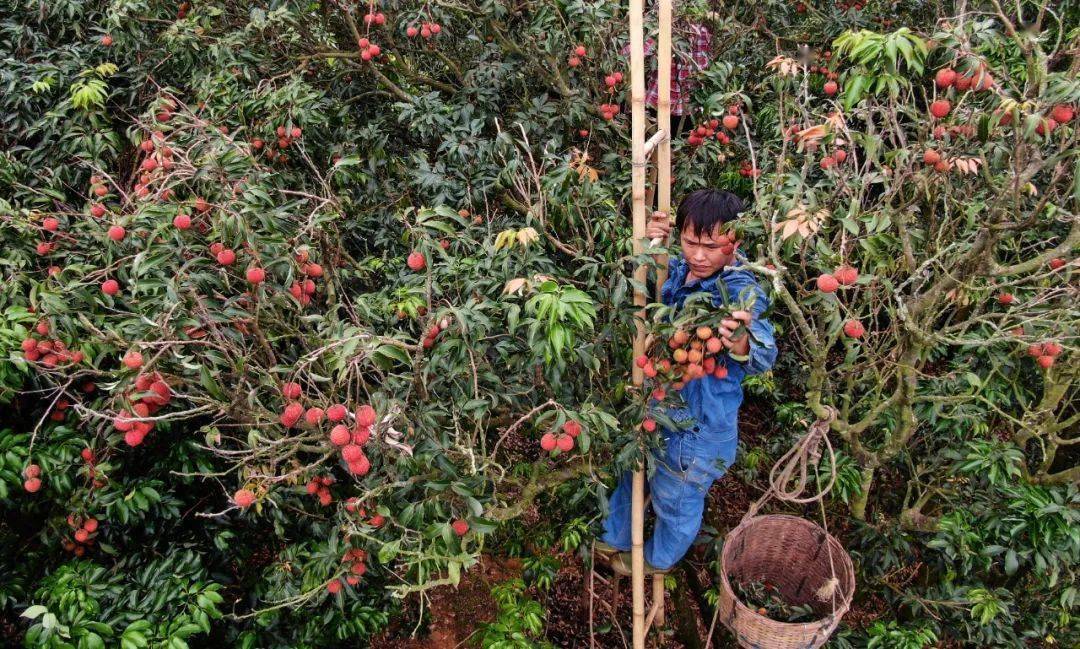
point(858, 505)
point(686, 623)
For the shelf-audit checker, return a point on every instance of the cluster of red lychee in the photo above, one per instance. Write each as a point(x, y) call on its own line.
point(578, 53)
point(32, 478)
point(255, 275)
point(979, 79)
point(1044, 353)
point(59, 409)
point(368, 50)
point(1058, 115)
point(932, 158)
point(285, 136)
point(706, 130)
point(353, 506)
point(49, 225)
point(692, 357)
point(612, 80)
point(91, 468)
point(830, 75)
point(747, 170)
point(696, 351)
point(434, 331)
point(165, 113)
point(356, 559)
point(460, 527)
point(51, 352)
point(942, 131)
point(609, 111)
point(159, 156)
point(844, 275)
point(694, 354)
point(319, 487)
point(350, 441)
point(377, 18)
point(85, 531)
point(838, 156)
point(149, 394)
point(303, 290)
point(731, 120)
point(426, 30)
point(564, 441)
point(99, 190)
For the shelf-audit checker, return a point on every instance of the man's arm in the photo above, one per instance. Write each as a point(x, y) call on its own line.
point(760, 345)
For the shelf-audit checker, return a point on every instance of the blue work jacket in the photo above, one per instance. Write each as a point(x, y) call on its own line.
point(712, 403)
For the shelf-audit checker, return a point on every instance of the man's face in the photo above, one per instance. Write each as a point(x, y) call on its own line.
point(708, 253)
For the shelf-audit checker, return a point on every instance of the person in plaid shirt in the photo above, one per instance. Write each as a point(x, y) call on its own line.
point(683, 67)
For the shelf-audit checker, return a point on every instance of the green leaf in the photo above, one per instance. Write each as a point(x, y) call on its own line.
point(92, 641)
point(1011, 562)
point(34, 611)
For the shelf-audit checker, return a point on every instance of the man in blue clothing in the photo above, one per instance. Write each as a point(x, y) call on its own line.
point(697, 454)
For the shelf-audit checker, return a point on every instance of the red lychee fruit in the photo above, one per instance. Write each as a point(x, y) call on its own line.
point(827, 283)
point(133, 360)
point(340, 435)
point(291, 390)
point(365, 416)
point(110, 287)
point(854, 328)
point(940, 108)
point(255, 275)
point(846, 275)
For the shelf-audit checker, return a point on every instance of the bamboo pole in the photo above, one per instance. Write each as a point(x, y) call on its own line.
point(663, 203)
point(637, 193)
point(663, 123)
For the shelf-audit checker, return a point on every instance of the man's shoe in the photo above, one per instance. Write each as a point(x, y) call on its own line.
point(621, 563)
point(604, 550)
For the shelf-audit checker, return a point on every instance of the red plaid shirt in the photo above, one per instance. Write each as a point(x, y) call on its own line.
point(682, 68)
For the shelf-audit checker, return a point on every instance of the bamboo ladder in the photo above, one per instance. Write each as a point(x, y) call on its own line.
point(642, 151)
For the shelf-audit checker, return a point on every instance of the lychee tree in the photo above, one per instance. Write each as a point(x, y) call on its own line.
point(310, 306)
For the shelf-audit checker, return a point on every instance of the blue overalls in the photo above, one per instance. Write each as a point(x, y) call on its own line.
point(693, 458)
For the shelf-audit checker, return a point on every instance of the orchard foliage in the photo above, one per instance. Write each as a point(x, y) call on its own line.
point(293, 294)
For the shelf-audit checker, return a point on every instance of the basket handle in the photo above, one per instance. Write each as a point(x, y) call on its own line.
point(805, 452)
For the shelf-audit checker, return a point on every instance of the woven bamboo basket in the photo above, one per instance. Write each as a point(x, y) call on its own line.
point(798, 557)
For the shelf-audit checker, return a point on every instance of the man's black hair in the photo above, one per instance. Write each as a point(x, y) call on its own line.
point(704, 209)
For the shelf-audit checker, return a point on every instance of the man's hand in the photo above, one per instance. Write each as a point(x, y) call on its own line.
point(659, 226)
point(741, 345)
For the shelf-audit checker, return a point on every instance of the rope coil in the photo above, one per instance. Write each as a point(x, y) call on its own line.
point(804, 454)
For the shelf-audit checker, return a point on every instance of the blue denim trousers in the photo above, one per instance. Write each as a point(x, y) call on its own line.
point(686, 466)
